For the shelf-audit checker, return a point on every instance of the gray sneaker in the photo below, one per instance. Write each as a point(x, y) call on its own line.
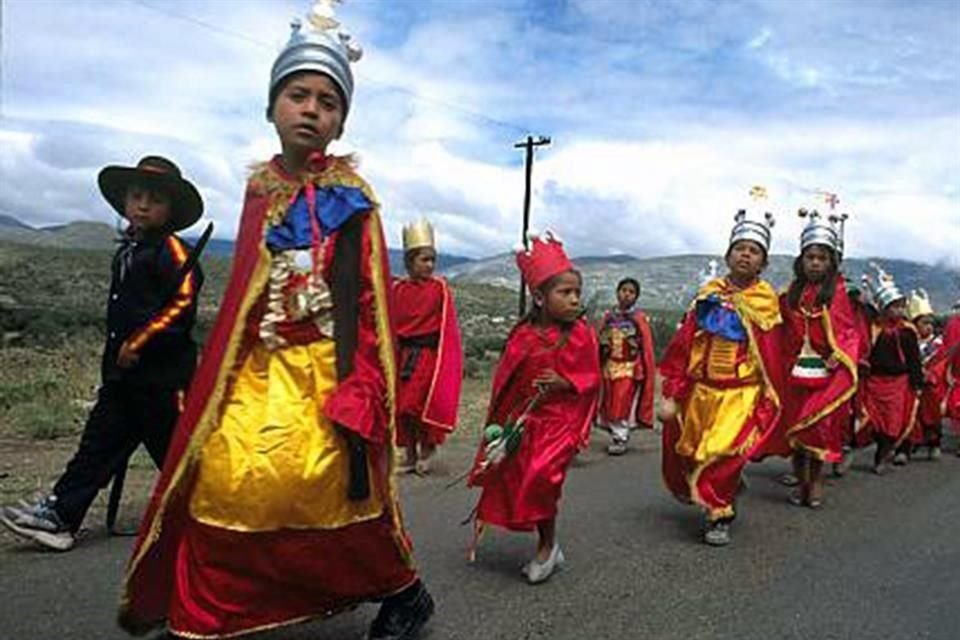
point(900, 459)
point(39, 523)
point(934, 453)
point(717, 534)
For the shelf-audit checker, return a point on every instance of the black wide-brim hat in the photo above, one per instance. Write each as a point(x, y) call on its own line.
point(186, 205)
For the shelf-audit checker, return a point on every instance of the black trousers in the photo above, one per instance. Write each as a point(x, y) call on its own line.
point(124, 416)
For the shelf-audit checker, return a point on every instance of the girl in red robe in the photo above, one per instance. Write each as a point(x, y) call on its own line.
point(277, 502)
point(720, 382)
point(627, 362)
point(951, 355)
point(820, 345)
point(431, 358)
point(894, 380)
point(549, 373)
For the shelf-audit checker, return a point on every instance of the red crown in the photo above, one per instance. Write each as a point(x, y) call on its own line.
point(544, 259)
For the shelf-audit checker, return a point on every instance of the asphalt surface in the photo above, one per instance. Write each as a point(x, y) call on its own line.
point(880, 560)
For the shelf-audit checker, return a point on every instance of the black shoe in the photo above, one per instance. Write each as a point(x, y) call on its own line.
point(401, 617)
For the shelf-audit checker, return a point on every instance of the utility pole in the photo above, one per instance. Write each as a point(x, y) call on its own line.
point(528, 144)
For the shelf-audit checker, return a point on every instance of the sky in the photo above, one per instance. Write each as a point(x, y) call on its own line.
point(662, 114)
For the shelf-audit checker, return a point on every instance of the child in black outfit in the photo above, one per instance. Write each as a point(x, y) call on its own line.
point(149, 356)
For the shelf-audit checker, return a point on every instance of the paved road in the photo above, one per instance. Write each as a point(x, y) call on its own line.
point(880, 560)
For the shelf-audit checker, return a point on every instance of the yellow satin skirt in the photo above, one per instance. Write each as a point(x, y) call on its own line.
point(274, 461)
point(712, 418)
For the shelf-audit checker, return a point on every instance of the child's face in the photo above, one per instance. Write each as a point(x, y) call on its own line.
point(308, 113)
point(924, 326)
point(561, 302)
point(422, 264)
point(147, 209)
point(896, 309)
point(816, 262)
point(627, 295)
point(745, 259)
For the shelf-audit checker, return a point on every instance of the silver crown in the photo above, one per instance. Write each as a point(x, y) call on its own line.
point(321, 46)
point(751, 225)
point(827, 232)
point(884, 290)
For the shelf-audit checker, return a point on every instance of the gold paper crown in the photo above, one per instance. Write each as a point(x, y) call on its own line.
point(919, 304)
point(417, 235)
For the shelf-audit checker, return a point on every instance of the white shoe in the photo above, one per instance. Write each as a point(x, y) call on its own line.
point(538, 572)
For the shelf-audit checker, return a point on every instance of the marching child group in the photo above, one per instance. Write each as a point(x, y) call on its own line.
point(322, 379)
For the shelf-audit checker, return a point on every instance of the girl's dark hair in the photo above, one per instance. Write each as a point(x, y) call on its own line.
point(633, 281)
point(827, 288)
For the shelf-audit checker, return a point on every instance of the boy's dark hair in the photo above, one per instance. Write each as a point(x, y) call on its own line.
point(827, 288)
point(629, 280)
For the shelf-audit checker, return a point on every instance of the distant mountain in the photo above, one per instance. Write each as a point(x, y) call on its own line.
point(670, 282)
point(667, 282)
point(73, 235)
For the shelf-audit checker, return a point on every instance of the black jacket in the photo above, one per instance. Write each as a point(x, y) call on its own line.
point(154, 309)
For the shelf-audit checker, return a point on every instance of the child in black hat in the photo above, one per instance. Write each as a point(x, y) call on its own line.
point(149, 356)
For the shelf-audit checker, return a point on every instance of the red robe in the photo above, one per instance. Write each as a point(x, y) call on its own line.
point(710, 395)
point(429, 397)
point(524, 489)
point(889, 403)
point(216, 582)
point(951, 340)
point(814, 418)
point(628, 383)
point(930, 411)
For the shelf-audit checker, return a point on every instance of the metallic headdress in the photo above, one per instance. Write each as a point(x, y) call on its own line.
point(418, 235)
point(320, 46)
point(544, 259)
point(919, 304)
point(827, 232)
point(884, 290)
point(750, 225)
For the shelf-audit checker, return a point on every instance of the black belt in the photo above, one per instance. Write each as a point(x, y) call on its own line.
point(416, 344)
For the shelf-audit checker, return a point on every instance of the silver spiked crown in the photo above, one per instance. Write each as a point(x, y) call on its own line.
point(321, 45)
point(829, 231)
point(750, 224)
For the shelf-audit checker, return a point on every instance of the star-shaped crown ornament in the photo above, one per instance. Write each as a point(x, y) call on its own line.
point(754, 222)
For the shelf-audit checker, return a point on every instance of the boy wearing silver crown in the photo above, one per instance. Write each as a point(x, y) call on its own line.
point(930, 413)
point(894, 377)
point(277, 502)
point(430, 357)
point(721, 380)
point(821, 348)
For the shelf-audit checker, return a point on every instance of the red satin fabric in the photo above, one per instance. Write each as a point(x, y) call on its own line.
point(823, 438)
point(622, 395)
point(526, 487)
point(229, 582)
point(431, 397)
point(888, 405)
point(951, 338)
point(154, 588)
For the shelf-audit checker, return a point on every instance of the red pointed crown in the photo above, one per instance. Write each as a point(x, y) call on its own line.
point(543, 259)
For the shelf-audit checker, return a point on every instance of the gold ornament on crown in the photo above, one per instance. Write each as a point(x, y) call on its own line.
point(418, 235)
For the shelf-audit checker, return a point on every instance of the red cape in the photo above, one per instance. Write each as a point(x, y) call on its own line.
point(151, 572)
point(806, 409)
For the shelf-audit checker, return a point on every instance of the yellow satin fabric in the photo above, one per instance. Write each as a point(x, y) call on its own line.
point(716, 357)
point(713, 418)
point(274, 461)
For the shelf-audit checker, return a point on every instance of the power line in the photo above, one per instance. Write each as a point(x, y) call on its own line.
point(453, 106)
